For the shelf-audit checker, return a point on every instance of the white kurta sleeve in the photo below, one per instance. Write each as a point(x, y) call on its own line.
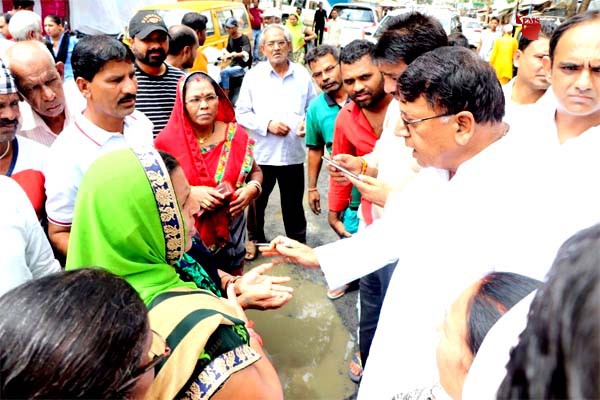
point(349, 259)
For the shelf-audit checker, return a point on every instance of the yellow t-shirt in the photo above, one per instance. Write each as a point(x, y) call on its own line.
point(502, 57)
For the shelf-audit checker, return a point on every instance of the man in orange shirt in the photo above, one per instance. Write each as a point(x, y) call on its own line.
point(197, 22)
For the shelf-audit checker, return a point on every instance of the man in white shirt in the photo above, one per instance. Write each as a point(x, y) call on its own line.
point(568, 133)
point(407, 36)
point(425, 225)
point(26, 253)
point(334, 30)
point(272, 105)
point(46, 111)
point(104, 72)
point(531, 82)
point(488, 37)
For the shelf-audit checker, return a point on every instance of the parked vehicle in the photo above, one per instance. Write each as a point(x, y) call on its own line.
point(216, 12)
point(308, 9)
point(472, 29)
point(450, 21)
point(354, 19)
point(373, 33)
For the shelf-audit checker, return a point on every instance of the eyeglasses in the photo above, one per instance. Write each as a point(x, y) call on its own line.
point(408, 122)
point(208, 99)
point(279, 43)
point(159, 351)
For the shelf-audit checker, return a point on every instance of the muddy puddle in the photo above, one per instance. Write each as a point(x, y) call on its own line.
point(307, 341)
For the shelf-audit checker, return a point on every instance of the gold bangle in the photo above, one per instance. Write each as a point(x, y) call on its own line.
point(230, 279)
point(364, 166)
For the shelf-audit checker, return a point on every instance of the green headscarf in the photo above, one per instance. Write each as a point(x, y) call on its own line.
point(128, 222)
point(296, 32)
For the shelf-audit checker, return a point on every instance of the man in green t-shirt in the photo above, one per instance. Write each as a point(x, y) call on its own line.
point(321, 114)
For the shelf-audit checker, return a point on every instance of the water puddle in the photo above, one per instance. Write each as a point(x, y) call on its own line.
point(308, 343)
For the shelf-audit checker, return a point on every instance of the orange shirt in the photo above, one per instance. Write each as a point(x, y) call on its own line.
point(353, 135)
point(200, 63)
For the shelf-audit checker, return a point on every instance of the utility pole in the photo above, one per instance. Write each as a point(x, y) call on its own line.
point(584, 6)
point(572, 8)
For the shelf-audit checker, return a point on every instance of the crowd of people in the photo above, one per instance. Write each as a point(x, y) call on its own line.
point(134, 191)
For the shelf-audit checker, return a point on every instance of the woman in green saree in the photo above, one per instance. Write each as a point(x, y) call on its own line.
point(300, 34)
point(130, 219)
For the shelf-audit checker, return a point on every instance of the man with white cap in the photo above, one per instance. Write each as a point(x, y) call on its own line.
point(271, 16)
point(157, 80)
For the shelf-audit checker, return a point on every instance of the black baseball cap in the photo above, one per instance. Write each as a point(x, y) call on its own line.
point(145, 22)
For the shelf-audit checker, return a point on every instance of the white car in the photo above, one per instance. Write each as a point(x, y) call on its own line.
point(472, 29)
point(373, 33)
point(354, 19)
point(450, 21)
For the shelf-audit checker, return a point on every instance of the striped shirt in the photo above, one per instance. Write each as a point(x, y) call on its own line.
point(156, 95)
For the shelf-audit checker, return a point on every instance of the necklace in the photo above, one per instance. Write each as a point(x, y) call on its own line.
point(205, 138)
point(6, 151)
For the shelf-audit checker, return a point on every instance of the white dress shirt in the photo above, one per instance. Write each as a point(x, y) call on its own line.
point(266, 96)
point(75, 149)
point(515, 113)
point(26, 253)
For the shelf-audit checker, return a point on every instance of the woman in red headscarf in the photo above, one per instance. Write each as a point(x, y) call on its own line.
point(216, 155)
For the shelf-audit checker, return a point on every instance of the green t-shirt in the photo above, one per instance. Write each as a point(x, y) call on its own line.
point(320, 122)
point(320, 125)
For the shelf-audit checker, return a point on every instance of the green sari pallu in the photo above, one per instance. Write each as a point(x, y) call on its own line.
point(127, 221)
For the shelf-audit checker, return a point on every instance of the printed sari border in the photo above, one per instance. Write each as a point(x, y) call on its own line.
point(166, 203)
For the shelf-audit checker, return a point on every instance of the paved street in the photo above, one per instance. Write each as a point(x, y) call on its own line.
point(312, 338)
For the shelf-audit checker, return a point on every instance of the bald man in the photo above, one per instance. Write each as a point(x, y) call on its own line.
point(45, 112)
point(183, 47)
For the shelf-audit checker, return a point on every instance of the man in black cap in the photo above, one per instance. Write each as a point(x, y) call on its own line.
point(238, 48)
point(157, 81)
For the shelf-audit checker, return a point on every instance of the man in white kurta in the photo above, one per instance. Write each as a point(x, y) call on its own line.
point(419, 223)
point(446, 233)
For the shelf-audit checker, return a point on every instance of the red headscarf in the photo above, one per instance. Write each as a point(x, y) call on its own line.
point(178, 139)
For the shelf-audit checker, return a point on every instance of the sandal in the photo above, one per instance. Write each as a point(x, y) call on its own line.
point(336, 293)
point(355, 369)
point(251, 250)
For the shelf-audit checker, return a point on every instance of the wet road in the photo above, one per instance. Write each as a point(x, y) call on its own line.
point(311, 339)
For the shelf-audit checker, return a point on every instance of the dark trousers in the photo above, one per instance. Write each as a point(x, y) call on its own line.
point(372, 292)
point(291, 191)
point(320, 30)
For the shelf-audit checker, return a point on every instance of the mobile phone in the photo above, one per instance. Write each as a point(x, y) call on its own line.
point(338, 166)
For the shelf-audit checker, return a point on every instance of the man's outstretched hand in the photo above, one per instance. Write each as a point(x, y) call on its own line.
point(291, 251)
